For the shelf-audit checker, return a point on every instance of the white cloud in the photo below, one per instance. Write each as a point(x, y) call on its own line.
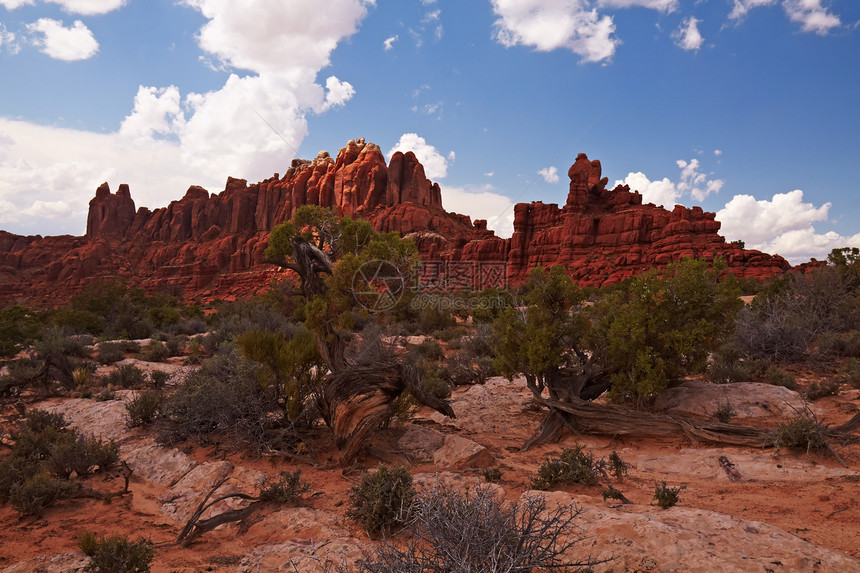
point(489, 173)
point(718, 152)
point(435, 164)
point(337, 93)
point(687, 36)
point(548, 25)
point(8, 40)
point(12, 4)
point(156, 111)
point(65, 166)
point(389, 42)
point(660, 5)
point(549, 174)
point(783, 225)
point(662, 192)
point(812, 16)
point(61, 43)
point(49, 209)
point(694, 182)
point(482, 202)
point(742, 7)
point(89, 7)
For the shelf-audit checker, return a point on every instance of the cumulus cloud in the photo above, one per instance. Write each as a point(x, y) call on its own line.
point(389, 42)
point(660, 5)
point(692, 182)
point(661, 192)
point(783, 224)
point(482, 202)
point(156, 111)
point(435, 164)
point(89, 7)
point(810, 14)
point(548, 25)
point(549, 174)
point(12, 4)
point(65, 166)
point(49, 209)
point(61, 43)
point(337, 93)
point(718, 152)
point(687, 36)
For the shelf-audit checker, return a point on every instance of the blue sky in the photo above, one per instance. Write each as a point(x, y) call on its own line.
point(750, 108)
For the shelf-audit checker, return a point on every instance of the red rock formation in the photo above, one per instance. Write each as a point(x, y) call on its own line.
point(212, 245)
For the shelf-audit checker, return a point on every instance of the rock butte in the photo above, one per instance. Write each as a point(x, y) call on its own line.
point(208, 246)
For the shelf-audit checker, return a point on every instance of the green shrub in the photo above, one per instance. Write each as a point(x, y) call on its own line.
point(37, 492)
point(802, 432)
point(82, 456)
point(850, 373)
point(127, 376)
point(37, 421)
point(725, 412)
point(778, 377)
point(110, 352)
point(159, 378)
point(618, 467)
point(818, 390)
point(610, 492)
point(143, 408)
point(19, 327)
point(382, 500)
point(573, 466)
point(105, 396)
point(155, 351)
point(728, 365)
point(491, 475)
point(288, 489)
point(667, 496)
point(430, 349)
point(116, 554)
point(841, 344)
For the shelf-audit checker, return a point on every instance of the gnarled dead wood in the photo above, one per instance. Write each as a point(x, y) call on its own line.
point(612, 420)
point(356, 401)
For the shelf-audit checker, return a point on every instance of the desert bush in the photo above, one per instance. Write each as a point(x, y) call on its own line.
point(55, 342)
point(116, 554)
point(110, 352)
point(223, 397)
point(19, 327)
point(725, 412)
point(382, 500)
point(474, 361)
point(841, 344)
point(821, 389)
point(37, 421)
point(573, 466)
point(618, 467)
point(430, 349)
point(82, 456)
point(176, 345)
point(155, 351)
point(36, 493)
point(127, 376)
point(802, 432)
point(81, 376)
point(778, 377)
point(491, 475)
point(287, 489)
point(610, 492)
point(728, 365)
point(667, 496)
point(143, 408)
point(105, 396)
point(159, 378)
point(850, 373)
point(476, 532)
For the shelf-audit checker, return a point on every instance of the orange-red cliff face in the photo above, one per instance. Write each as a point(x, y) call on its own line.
point(211, 245)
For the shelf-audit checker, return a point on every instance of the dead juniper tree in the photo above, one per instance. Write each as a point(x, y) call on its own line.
point(337, 260)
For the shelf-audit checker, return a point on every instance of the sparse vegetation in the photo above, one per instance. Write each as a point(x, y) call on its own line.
point(287, 489)
point(116, 554)
point(725, 413)
point(143, 408)
point(476, 532)
point(667, 496)
point(491, 475)
point(618, 467)
point(818, 390)
point(126, 376)
point(573, 466)
point(802, 432)
point(382, 500)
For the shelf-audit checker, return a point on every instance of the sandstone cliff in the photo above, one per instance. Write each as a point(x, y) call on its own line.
point(207, 246)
